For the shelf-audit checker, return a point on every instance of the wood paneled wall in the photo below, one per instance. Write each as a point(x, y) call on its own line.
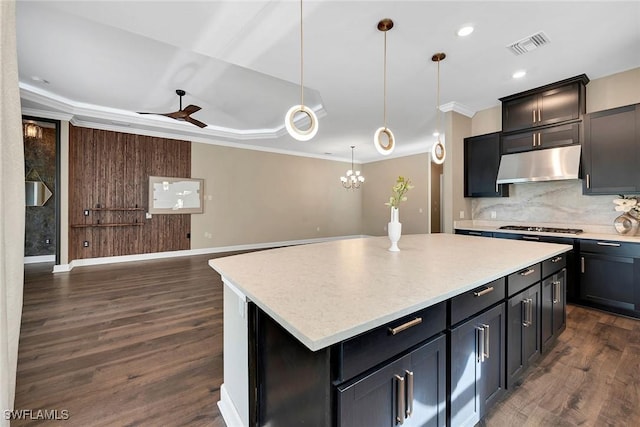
point(110, 170)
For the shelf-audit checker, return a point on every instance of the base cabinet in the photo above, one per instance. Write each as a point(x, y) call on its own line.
point(610, 276)
point(523, 332)
point(554, 307)
point(477, 366)
point(409, 391)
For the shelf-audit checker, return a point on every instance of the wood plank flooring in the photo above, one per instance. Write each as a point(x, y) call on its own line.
point(124, 344)
point(140, 344)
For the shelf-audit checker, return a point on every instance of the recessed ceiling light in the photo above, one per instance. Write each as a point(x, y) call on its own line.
point(465, 31)
point(519, 74)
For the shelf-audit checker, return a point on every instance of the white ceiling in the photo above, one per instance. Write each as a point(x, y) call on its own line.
point(240, 61)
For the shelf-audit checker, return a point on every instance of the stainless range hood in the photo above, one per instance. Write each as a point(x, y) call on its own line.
point(550, 164)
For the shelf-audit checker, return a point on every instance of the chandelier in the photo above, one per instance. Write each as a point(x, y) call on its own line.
point(353, 180)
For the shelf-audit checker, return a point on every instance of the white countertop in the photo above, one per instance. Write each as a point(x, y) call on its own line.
point(324, 293)
point(590, 232)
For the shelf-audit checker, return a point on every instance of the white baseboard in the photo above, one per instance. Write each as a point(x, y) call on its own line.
point(227, 410)
point(39, 258)
point(62, 268)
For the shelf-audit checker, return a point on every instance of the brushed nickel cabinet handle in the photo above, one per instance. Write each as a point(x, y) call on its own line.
point(539, 139)
point(475, 233)
point(481, 343)
point(530, 238)
point(556, 259)
point(582, 264)
point(483, 292)
point(534, 137)
point(530, 311)
point(539, 116)
point(588, 182)
point(405, 326)
point(400, 402)
point(497, 189)
point(486, 338)
point(534, 115)
point(409, 393)
point(617, 245)
point(556, 291)
point(525, 313)
point(527, 272)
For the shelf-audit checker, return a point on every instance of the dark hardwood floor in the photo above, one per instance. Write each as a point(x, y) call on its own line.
point(140, 344)
point(123, 344)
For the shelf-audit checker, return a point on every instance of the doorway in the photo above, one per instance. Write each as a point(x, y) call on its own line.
point(41, 139)
point(436, 197)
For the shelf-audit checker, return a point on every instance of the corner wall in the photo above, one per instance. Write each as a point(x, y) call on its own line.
point(380, 178)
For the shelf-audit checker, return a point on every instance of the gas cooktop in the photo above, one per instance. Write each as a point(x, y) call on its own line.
point(542, 229)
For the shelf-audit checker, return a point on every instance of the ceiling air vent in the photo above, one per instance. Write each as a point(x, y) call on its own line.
point(529, 43)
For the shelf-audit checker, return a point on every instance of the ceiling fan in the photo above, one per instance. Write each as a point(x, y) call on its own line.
point(183, 115)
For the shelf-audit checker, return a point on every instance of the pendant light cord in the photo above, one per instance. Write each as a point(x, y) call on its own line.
point(438, 102)
point(301, 58)
point(384, 96)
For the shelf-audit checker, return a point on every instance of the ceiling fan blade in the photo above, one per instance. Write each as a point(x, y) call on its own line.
point(190, 109)
point(178, 115)
point(195, 122)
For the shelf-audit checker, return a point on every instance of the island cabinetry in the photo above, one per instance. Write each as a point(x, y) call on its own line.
point(393, 374)
point(611, 151)
point(409, 391)
point(610, 276)
point(551, 104)
point(554, 307)
point(477, 366)
point(523, 320)
point(477, 352)
point(481, 164)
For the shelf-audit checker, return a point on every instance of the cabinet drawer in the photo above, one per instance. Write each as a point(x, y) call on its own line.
point(554, 264)
point(373, 347)
point(522, 279)
point(476, 300)
point(611, 248)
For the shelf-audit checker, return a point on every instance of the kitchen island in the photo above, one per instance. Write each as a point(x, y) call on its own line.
point(322, 305)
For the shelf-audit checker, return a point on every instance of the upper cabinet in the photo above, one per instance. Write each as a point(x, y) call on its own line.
point(547, 105)
point(481, 163)
point(611, 151)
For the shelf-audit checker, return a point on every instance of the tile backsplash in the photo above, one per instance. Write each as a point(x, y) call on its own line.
point(559, 202)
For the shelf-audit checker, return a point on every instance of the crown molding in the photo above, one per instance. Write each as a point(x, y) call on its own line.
point(457, 108)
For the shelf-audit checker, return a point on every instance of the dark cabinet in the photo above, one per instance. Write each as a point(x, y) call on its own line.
point(549, 137)
point(551, 104)
point(477, 371)
point(611, 151)
point(610, 276)
point(409, 391)
point(523, 332)
point(554, 307)
point(474, 233)
point(481, 163)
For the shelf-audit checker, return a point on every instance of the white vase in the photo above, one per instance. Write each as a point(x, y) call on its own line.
point(394, 229)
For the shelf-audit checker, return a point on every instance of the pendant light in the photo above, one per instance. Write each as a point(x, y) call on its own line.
point(438, 152)
point(353, 179)
point(384, 149)
point(289, 120)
